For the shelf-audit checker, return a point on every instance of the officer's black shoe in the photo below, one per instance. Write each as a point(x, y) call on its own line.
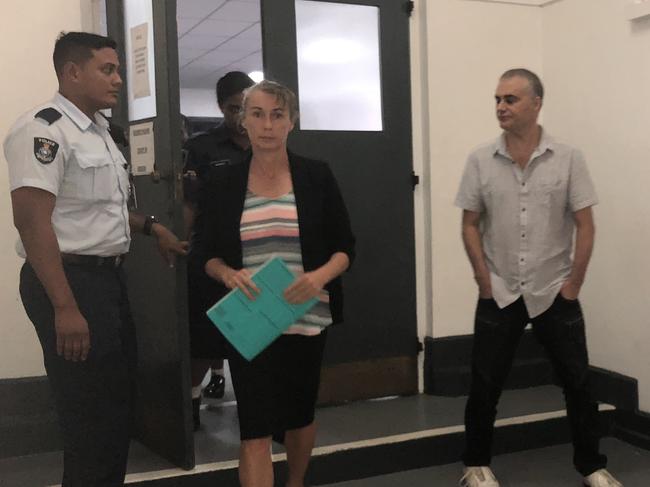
point(216, 388)
point(196, 412)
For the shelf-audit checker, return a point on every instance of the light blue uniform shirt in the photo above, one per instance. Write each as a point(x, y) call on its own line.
point(75, 159)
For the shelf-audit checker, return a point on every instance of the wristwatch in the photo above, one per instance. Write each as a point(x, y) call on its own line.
point(148, 223)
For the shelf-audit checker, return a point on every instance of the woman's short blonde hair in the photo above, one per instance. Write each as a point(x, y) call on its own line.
point(283, 95)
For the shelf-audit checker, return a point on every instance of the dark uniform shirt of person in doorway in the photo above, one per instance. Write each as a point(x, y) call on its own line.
point(225, 144)
point(69, 190)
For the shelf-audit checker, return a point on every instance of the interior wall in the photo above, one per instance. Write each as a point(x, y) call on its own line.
point(469, 45)
point(29, 81)
point(597, 75)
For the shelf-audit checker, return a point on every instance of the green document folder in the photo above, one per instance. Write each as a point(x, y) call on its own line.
point(251, 326)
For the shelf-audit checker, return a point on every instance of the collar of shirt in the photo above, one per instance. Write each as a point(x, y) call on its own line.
point(546, 143)
point(80, 119)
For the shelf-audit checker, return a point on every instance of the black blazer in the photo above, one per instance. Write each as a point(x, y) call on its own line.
point(323, 220)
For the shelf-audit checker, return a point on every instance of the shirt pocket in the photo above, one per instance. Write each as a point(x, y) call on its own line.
point(550, 189)
point(91, 178)
point(123, 174)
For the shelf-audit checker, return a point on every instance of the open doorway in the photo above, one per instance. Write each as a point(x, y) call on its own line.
point(215, 37)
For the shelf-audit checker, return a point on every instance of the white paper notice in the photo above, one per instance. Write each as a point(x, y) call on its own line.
point(140, 60)
point(142, 148)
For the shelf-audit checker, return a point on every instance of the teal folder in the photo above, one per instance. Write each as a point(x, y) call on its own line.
point(251, 326)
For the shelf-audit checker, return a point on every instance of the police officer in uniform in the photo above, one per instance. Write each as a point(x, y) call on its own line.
point(69, 191)
point(225, 144)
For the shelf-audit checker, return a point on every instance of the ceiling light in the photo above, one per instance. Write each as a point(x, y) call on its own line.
point(256, 76)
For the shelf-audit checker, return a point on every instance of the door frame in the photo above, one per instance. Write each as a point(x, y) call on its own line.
point(179, 447)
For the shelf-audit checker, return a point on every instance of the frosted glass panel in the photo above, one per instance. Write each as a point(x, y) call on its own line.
point(338, 66)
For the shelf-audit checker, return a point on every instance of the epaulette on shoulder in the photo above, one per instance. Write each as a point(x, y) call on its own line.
point(50, 115)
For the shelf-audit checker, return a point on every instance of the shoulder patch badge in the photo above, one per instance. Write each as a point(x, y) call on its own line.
point(45, 149)
point(50, 115)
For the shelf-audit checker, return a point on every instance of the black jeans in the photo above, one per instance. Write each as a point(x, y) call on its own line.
point(561, 330)
point(93, 398)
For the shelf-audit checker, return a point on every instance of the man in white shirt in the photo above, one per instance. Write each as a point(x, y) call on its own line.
point(69, 190)
point(523, 197)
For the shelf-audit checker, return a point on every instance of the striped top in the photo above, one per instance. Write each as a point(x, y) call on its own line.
point(269, 228)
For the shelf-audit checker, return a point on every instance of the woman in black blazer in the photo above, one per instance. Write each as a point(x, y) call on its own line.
point(277, 203)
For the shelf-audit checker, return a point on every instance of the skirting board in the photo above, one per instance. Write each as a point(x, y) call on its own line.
point(447, 371)
point(632, 427)
point(447, 362)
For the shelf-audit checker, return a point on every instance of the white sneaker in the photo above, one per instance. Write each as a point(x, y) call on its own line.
point(601, 478)
point(480, 477)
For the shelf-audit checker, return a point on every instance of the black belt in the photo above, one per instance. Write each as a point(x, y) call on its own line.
point(93, 260)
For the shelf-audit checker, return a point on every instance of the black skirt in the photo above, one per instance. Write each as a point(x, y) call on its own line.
point(277, 390)
point(206, 341)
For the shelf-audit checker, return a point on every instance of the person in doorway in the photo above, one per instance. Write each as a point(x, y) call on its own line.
point(523, 197)
point(224, 145)
point(277, 203)
point(69, 191)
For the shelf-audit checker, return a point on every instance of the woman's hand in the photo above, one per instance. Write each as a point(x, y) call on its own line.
point(231, 278)
point(307, 286)
point(239, 279)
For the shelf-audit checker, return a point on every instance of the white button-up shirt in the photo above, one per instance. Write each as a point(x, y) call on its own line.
point(75, 159)
point(527, 220)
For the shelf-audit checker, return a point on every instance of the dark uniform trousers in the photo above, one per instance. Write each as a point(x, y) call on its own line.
point(93, 398)
point(561, 330)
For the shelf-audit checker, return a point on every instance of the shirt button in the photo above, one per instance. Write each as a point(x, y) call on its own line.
point(522, 283)
point(523, 235)
point(523, 209)
point(521, 260)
